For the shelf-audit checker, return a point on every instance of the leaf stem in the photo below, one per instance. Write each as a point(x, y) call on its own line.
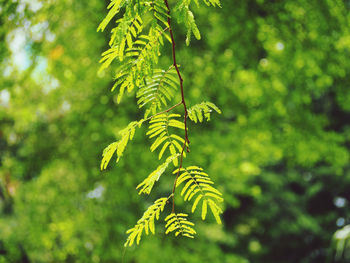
point(165, 111)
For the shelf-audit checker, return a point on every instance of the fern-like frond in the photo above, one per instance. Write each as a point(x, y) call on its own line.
point(147, 184)
point(159, 10)
point(126, 78)
point(146, 222)
point(141, 58)
point(186, 16)
point(191, 27)
point(147, 47)
point(159, 128)
point(107, 57)
point(126, 30)
point(127, 134)
point(196, 112)
point(179, 223)
point(122, 38)
point(158, 90)
point(198, 185)
point(114, 8)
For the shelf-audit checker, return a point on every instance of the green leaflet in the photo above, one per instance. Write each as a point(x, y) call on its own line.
point(127, 134)
point(186, 16)
point(199, 185)
point(191, 27)
point(127, 29)
point(139, 60)
point(146, 222)
point(122, 38)
point(159, 128)
point(137, 54)
point(147, 184)
point(158, 90)
point(107, 57)
point(179, 224)
point(196, 112)
point(160, 11)
point(142, 51)
point(114, 7)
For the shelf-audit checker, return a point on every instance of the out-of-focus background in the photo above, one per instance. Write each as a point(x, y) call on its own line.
point(279, 71)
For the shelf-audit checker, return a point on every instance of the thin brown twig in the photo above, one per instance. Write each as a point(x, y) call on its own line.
point(165, 111)
point(186, 142)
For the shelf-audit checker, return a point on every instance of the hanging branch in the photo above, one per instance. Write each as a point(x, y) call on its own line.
point(183, 101)
point(137, 55)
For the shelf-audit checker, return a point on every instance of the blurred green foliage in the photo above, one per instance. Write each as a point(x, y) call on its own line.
point(279, 152)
